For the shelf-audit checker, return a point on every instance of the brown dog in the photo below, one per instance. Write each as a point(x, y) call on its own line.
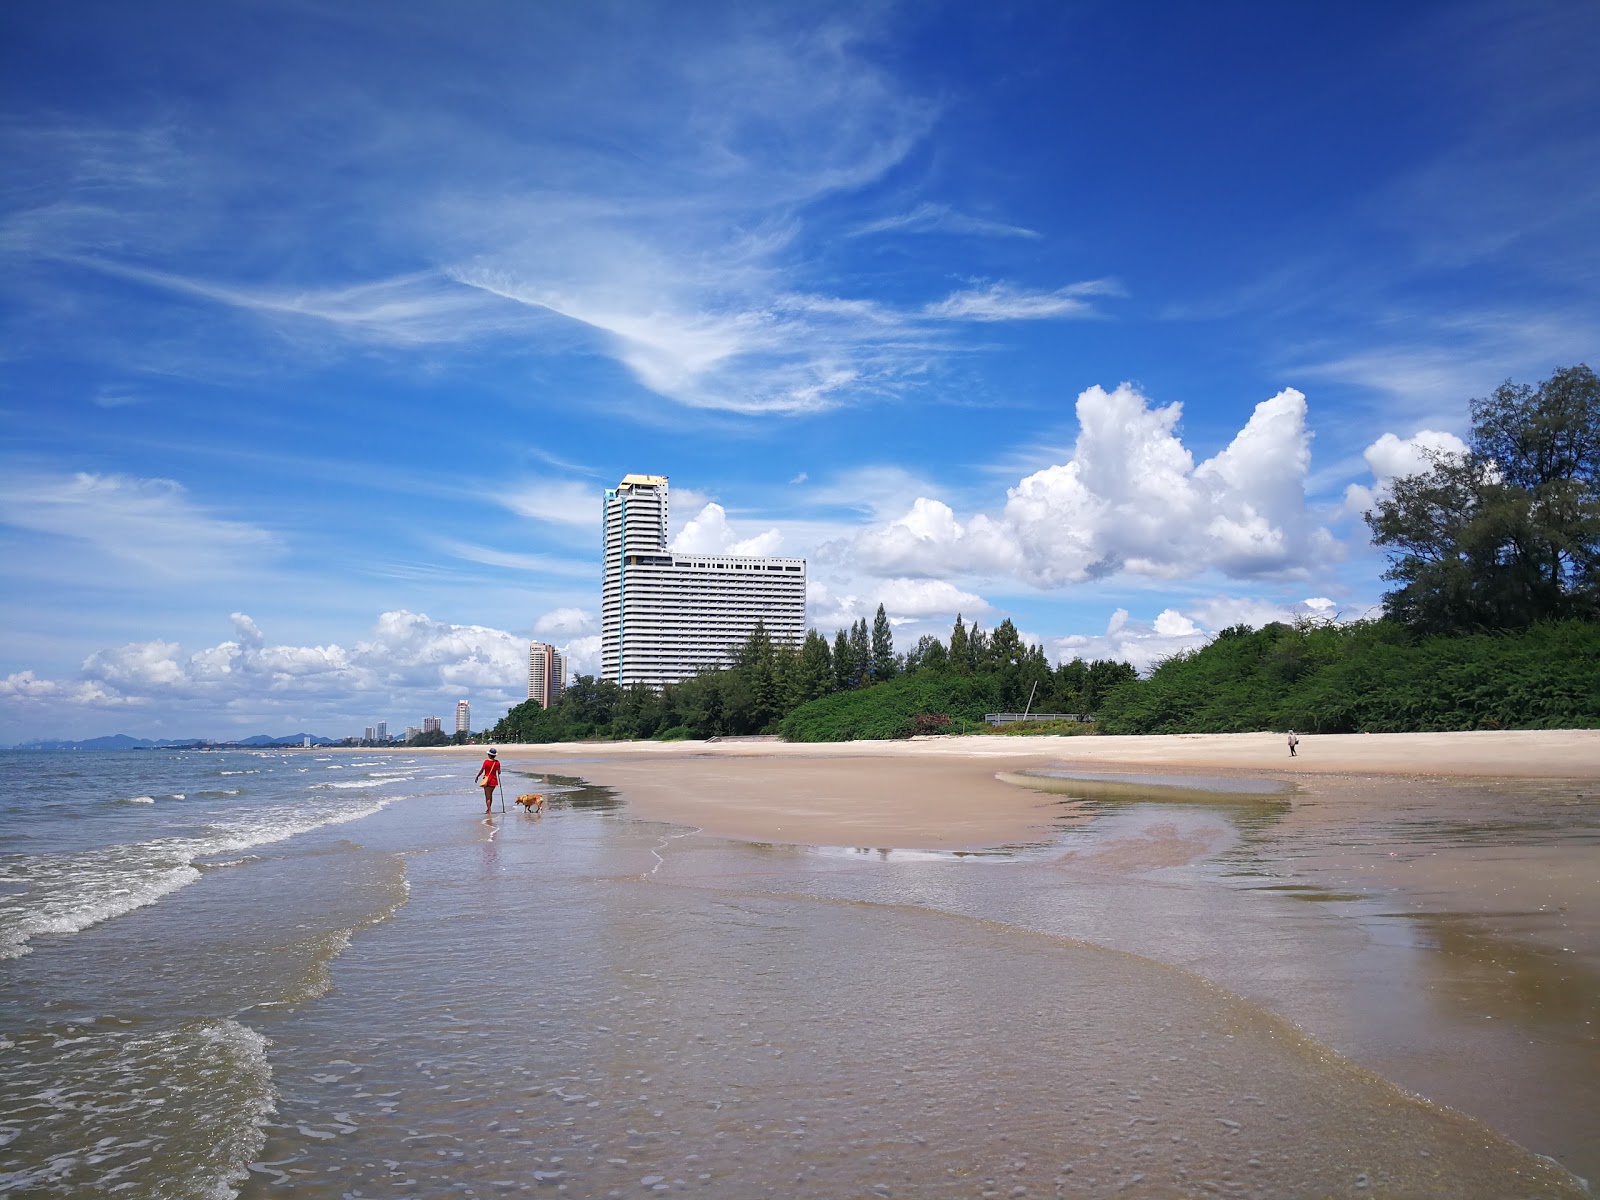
point(532, 801)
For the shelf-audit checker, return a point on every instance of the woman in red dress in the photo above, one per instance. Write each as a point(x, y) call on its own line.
point(489, 776)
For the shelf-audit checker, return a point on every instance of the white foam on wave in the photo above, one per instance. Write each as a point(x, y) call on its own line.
point(140, 800)
point(67, 893)
point(179, 1111)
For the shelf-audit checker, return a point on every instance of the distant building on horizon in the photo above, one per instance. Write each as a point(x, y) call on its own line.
point(547, 673)
point(432, 724)
point(463, 717)
point(667, 616)
point(411, 732)
point(383, 731)
point(369, 735)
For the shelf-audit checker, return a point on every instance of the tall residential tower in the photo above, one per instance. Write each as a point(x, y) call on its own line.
point(547, 674)
point(665, 616)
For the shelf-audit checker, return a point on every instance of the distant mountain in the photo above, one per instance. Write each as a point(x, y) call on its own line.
point(121, 741)
point(292, 739)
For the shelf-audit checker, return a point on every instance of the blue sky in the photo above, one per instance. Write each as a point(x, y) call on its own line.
point(325, 325)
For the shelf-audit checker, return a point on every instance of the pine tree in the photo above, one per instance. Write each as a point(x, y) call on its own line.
point(860, 654)
point(841, 661)
point(883, 664)
point(958, 646)
point(814, 676)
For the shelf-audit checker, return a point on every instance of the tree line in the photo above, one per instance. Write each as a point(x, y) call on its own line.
point(767, 683)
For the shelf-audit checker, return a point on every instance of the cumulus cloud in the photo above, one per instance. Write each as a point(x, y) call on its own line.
point(583, 656)
point(904, 601)
point(409, 661)
point(710, 533)
point(1391, 457)
point(565, 622)
point(1146, 644)
point(1130, 500)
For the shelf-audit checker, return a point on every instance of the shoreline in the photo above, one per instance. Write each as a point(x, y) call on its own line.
point(943, 793)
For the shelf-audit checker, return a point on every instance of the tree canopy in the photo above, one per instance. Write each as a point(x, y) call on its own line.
point(1507, 534)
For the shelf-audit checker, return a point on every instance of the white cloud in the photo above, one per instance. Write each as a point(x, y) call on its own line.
point(151, 524)
point(1391, 457)
point(710, 533)
point(565, 622)
point(1145, 644)
point(554, 501)
point(1124, 640)
point(905, 601)
point(941, 218)
point(409, 661)
point(1004, 302)
point(583, 656)
point(1130, 500)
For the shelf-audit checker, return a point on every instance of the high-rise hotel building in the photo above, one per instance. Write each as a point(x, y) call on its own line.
point(463, 717)
point(547, 673)
point(665, 616)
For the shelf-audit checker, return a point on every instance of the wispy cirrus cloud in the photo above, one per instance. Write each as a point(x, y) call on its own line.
point(553, 502)
point(928, 217)
point(675, 237)
point(1005, 302)
point(152, 525)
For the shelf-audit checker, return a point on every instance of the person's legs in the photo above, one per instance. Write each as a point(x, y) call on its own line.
point(488, 797)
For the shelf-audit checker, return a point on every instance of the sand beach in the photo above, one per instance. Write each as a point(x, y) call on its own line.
point(1442, 925)
point(988, 967)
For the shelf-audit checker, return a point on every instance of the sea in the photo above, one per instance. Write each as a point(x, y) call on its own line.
point(291, 971)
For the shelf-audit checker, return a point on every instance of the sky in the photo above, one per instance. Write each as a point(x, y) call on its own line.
point(323, 326)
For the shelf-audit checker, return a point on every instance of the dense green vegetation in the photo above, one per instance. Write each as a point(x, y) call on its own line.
point(1372, 676)
point(858, 687)
point(1494, 624)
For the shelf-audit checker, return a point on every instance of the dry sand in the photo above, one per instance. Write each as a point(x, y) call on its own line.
point(941, 793)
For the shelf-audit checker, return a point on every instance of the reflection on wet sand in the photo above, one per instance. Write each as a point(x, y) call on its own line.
point(1478, 904)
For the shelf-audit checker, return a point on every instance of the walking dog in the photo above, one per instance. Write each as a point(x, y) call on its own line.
point(532, 801)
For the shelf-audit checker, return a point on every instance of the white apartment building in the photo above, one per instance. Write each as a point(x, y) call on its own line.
point(463, 717)
point(547, 673)
point(666, 616)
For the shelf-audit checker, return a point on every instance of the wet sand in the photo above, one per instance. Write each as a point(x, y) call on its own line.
point(1452, 932)
point(939, 793)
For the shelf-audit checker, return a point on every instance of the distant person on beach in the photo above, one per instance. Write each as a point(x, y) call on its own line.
point(489, 776)
point(1293, 742)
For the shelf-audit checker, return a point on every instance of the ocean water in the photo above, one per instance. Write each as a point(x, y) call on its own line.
point(242, 973)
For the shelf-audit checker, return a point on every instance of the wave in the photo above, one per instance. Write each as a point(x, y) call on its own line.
point(138, 800)
point(67, 893)
point(180, 1110)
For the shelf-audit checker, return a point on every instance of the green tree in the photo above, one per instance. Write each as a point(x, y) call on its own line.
point(842, 659)
point(814, 676)
point(883, 663)
point(958, 656)
point(1508, 533)
point(860, 654)
point(928, 654)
